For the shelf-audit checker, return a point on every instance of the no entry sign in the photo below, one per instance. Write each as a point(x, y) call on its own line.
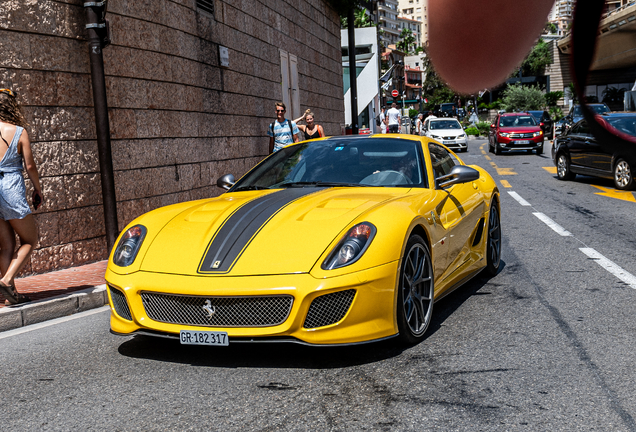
point(394, 93)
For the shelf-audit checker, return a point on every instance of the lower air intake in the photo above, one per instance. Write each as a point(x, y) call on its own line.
point(329, 308)
point(250, 311)
point(120, 304)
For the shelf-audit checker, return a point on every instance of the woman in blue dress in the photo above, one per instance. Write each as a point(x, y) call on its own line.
point(15, 214)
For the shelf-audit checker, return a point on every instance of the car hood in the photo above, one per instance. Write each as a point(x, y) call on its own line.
point(259, 232)
point(520, 129)
point(445, 132)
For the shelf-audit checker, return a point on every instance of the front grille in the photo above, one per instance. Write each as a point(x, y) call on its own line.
point(329, 308)
point(450, 138)
point(120, 304)
point(521, 135)
point(252, 311)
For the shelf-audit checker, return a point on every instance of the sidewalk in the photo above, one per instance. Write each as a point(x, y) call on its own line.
point(56, 294)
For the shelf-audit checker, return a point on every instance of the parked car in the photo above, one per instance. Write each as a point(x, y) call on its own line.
point(559, 126)
point(515, 131)
point(448, 109)
point(545, 123)
point(342, 240)
point(578, 151)
point(576, 114)
point(447, 131)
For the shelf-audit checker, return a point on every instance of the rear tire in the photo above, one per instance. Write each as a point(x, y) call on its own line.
point(415, 291)
point(563, 168)
point(623, 175)
point(493, 244)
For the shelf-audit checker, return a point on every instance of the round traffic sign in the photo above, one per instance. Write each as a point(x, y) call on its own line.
point(394, 93)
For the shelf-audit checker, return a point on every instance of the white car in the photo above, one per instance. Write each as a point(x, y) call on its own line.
point(447, 131)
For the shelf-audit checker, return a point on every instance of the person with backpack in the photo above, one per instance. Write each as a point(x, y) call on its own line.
point(282, 131)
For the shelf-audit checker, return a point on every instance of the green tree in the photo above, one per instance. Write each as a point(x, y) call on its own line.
point(538, 59)
point(519, 98)
point(433, 88)
point(406, 42)
point(552, 98)
point(362, 19)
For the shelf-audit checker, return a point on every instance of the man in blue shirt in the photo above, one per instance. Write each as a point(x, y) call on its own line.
point(282, 132)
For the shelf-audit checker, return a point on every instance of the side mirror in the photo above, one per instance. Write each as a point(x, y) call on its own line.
point(492, 125)
point(459, 174)
point(225, 182)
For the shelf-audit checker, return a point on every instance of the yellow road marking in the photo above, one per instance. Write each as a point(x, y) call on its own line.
point(487, 157)
point(613, 193)
point(505, 183)
point(551, 170)
point(505, 171)
point(483, 152)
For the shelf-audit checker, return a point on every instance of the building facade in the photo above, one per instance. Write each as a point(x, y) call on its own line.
point(388, 22)
point(416, 10)
point(191, 87)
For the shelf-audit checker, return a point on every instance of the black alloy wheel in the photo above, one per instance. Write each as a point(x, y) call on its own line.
point(563, 167)
point(415, 291)
point(623, 175)
point(493, 245)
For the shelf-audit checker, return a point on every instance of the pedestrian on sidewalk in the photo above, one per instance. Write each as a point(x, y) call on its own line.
point(281, 132)
point(311, 130)
point(15, 214)
point(394, 119)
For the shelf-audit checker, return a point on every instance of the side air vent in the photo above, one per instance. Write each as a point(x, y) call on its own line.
point(206, 5)
point(329, 308)
point(120, 304)
point(479, 232)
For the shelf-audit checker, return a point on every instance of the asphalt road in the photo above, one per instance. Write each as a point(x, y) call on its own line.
point(546, 345)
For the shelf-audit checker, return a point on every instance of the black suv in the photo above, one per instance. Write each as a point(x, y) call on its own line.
point(545, 122)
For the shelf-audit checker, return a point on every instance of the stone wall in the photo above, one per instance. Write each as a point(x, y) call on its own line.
point(178, 120)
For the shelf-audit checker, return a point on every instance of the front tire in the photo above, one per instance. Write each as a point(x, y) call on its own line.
point(415, 291)
point(497, 148)
point(540, 150)
point(563, 168)
point(493, 244)
point(623, 175)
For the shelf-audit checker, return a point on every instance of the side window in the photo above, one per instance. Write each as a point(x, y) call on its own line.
point(441, 160)
point(583, 128)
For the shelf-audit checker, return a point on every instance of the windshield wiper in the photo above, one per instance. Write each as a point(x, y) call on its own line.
point(246, 188)
point(322, 184)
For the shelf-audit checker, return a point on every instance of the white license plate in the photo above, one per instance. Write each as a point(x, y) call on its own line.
point(522, 142)
point(449, 142)
point(190, 337)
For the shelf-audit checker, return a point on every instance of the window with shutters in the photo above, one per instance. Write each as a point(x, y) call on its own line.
point(289, 76)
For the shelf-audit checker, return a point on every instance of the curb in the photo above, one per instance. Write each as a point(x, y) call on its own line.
point(13, 317)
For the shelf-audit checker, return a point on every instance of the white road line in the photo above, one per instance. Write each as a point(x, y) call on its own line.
point(55, 321)
point(520, 200)
point(552, 224)
point(608, 265)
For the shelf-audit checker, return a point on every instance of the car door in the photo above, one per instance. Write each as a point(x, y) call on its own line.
point(575, 141)
point(595, 155)
point(492, 132)
point(458, 212)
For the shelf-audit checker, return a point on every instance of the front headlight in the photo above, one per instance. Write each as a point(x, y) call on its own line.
point(129, 245)
point(504, 134)
point(536, 134)
point(461, 136)
point(351, 247)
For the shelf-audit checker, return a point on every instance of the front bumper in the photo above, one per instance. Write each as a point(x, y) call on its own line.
point(506, 143)
point(370, 316)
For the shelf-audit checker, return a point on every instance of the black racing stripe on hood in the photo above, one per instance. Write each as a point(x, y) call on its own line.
point(237, 231)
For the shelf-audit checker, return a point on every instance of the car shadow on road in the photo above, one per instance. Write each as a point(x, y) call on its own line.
point(290, 355)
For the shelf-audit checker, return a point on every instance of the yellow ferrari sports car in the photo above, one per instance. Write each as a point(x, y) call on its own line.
point(341, 240)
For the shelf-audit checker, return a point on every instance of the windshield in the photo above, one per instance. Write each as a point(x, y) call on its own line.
point(536, 114)
point(625, 124)
point(445, 124)
point(513, 121)
point(598, 109)
point(340, 162)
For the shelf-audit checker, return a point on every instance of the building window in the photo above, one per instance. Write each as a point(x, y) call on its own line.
point(290, 90)
point(206, 5)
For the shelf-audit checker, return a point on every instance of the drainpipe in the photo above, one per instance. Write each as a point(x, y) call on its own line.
point(98, 38)
point(353, 79)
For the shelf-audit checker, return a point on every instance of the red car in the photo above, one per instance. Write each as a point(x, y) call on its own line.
point(515, 131)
